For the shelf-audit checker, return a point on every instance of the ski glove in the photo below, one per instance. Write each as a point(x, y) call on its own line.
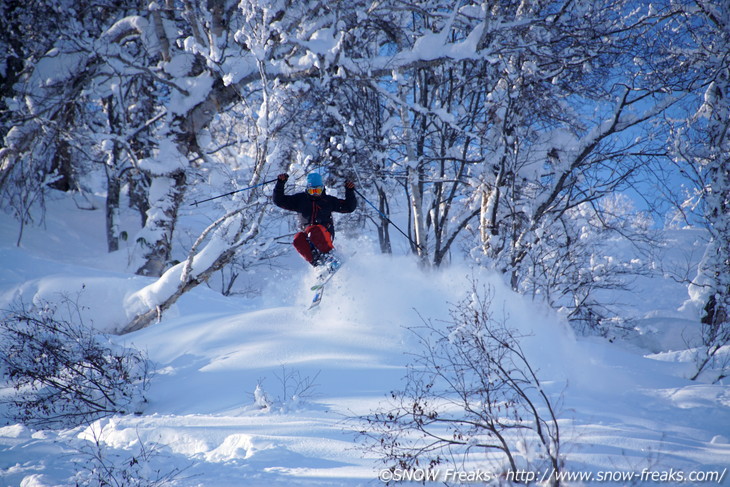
point(349, 185)
point(283, 177)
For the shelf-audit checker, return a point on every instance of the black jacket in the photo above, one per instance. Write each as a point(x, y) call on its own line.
point(315, 210)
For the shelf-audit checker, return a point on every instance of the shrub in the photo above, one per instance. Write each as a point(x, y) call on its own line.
point(470, 395)
point(64, 374)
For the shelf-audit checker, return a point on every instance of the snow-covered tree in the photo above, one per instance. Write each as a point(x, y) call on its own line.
point(702, 151)
point(486, 122)
point(52, 117)
point(503, 117)
point(599, 247)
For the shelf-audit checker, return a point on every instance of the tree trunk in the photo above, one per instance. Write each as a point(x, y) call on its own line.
point(382, 225)
point(414, 186)
point(112, 212)
point(161, 220)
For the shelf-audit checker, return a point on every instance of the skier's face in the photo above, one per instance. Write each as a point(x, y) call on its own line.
point(315, 191)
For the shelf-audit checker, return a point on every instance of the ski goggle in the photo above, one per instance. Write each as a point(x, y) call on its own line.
point(315, 190)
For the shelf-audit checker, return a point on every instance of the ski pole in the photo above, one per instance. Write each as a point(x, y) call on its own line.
point(382, 215)
point(196, 203)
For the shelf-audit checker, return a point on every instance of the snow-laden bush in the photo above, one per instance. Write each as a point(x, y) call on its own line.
point(144, 464)
point(61, 373)
point(471, 397)
point(292, 391)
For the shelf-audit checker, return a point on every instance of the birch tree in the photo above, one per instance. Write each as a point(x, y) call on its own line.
point(571, 112)
point(701, 148)
point(48, 128)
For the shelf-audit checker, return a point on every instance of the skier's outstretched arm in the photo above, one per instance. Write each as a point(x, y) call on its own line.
point(280, 199)
point(349, 204)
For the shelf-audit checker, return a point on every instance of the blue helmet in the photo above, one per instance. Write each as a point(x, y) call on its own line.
point(315, 186)
point(314, 180)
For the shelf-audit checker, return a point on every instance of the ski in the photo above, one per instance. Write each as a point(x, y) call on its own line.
point(330, 270)
point(324, 279)
point(317, 298)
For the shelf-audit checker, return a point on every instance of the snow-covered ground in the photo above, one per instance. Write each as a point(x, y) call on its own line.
point(260, 392)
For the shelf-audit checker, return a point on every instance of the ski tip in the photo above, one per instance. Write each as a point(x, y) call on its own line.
point(317, 299)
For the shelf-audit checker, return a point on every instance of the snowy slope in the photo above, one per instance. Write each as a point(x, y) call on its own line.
point(222, 407)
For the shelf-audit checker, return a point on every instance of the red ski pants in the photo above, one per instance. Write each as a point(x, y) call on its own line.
point(314, 237)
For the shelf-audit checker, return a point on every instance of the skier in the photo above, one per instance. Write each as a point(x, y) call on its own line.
point(315, 208)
